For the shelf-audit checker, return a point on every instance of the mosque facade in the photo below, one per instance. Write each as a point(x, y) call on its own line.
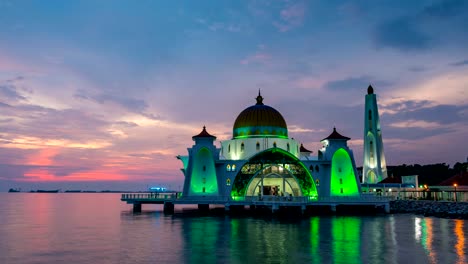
point(261, 160)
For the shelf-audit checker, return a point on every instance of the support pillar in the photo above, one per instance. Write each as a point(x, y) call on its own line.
point(274, 208)
point(168, 208)
point(203, 207)
point(387, 208)
point(333, 208)
point(303, 209)
point(226, 208)
point(136, 207)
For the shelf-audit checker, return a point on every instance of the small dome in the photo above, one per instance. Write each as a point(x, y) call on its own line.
point(260, 120)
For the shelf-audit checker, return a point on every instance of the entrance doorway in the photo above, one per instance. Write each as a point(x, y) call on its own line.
point(274, 181)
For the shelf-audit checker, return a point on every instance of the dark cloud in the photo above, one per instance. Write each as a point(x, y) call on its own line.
point(49, 123)
point(354, 83)
point(126, 124)
point(460, 63)
point(419, 110)
point(408, 105)
point(9, 93)
point(442, 22)
point(412, 133)
point(401, 34)
point(131, 104)
point(418, 69)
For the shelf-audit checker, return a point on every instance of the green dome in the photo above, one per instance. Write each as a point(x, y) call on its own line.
point(260, 120)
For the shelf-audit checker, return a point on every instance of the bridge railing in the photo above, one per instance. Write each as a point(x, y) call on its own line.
point(149, 196)
point(291, 199)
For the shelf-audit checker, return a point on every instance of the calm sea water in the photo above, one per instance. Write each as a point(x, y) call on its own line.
point(99, 228)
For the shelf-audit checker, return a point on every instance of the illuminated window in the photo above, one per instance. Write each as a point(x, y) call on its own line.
point(233, 168)
point(242, 147)
point(274, 144)
point(258, 146)
point(317, 182)
point(287, 146)
point(228, 167)
point(228, 182)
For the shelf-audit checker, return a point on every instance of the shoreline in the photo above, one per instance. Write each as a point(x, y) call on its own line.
point(440, 209)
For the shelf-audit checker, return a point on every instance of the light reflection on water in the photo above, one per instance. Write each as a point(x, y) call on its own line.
point(98, 228)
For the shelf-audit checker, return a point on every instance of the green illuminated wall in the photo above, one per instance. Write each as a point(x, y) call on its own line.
point(203, 174)
point(343, 180)
point(260, 131)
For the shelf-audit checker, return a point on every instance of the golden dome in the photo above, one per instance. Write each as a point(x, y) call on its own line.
point(260, 120)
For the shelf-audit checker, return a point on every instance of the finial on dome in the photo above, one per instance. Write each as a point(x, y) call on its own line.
point(370, 89)
point(259, 98)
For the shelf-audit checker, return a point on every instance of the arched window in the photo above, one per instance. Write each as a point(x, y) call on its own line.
point(228, 182)
point(229, 148)
point(341, 181)
point(316, 168)
point(287, 147)
point(311, 167)
point(228, 167)
point(274, 144)
point(242, 147)
point(233, 167)
point(258, 146)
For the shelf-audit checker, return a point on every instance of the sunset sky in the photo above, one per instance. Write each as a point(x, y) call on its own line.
point(104, 94)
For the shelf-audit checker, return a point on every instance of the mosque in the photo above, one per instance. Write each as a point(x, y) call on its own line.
point(261, 161)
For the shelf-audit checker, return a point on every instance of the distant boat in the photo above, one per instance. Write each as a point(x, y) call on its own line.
point(47, 191)
point(14, 190)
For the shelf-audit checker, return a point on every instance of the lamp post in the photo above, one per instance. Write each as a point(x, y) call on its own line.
point(455, 186)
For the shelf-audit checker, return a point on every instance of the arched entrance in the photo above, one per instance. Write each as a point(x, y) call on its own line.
point(274, 180)
point(275, 171)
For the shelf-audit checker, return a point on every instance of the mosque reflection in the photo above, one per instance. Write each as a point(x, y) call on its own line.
point(334, 239)
point(241, 240)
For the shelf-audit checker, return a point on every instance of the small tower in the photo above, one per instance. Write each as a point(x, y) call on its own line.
point(374, 167)
point(200, 171)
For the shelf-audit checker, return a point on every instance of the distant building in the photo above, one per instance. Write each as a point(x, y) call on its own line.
point(260, 160)
point(374, 165)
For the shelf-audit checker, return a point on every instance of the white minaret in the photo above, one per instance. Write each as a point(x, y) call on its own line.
point(374, 168)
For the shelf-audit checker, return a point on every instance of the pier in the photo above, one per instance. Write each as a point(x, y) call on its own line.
point(273, 203)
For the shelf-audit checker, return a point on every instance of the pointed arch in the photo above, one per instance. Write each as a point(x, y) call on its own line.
point(268, 158)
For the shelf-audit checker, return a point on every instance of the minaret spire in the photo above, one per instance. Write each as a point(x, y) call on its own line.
point(374, 167)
